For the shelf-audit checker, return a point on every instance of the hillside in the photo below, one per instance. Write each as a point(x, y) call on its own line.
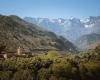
point(15, 32)
point(89, 41)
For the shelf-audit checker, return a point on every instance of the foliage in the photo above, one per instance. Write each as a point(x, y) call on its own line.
point(52, 66)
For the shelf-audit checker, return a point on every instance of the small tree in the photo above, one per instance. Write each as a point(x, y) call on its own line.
point(97, 49)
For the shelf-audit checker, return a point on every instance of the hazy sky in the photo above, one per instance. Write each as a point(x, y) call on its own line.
point(50, 8)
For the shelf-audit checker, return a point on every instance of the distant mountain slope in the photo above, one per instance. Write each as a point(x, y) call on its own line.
point(71, 28)
point(88, 41)
point(94, 45)
point(15, 32)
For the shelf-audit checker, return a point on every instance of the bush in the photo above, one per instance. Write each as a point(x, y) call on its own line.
point(5, 75)
point(53, 54)
point(23, 75)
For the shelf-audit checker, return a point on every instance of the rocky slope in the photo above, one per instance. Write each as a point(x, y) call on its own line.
point(15, 32)
point(88, 41)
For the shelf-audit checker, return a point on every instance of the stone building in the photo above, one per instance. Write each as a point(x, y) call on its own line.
point(19, 51)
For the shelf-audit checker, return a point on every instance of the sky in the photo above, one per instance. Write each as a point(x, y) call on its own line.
point(50, 8)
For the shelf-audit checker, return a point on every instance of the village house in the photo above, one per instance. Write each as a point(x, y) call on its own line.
point(18, 53)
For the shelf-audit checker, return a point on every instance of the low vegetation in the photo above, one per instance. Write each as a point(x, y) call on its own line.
point(53, 66)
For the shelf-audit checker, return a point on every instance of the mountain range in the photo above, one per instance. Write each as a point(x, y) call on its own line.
point(73, 29)
point(43, 33)
point(15, 32)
